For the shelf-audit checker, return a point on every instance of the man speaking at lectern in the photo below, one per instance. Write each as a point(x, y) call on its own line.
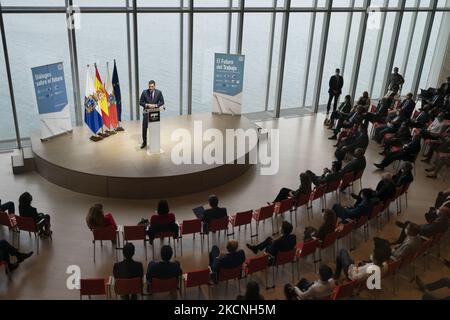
point(151, 98)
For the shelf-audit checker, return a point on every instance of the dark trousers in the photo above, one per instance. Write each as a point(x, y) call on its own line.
point(441, 283)
point(304, 284)
point(265, 244)
point(394, 156)
point(343, 261)
point(7, 250)
point(331, 97)
point(340, 211)
point(374, 117)
point(282, 195)
point(380, 134)
point(8, 206)
point(215, 252)
point(314, 178)
point(144, 128)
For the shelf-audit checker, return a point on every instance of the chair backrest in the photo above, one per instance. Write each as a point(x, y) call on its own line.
point(373, 109)
point(346, 229)
point(302, 199)
point(104, 233)
point(266, 212)
point(304, 249)
point(284, 257)
point(26, 224)
point(5, 220)
point(243, 218)
point(358, 175)
point(435, 239)
point(256, 264)
point(318, 192)
point(423, 248)
point(405, 188)
point(361, 221)
point(284, 205)
point(134, 233)
point(92, 287)
point(165, 234)
point(164, 285)
point(329, 240)
point(398, 192)
point(376, 210)
point(128, 286)
point(407, 260)
point(333, 186)
point(218, 224)
point(344, 291)
point(347, 179)
point(392, 267)
point(230, 273)
point(196, 278)
point(191, 226)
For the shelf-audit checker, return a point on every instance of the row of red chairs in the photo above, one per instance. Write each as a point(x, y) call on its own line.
point(15, 224)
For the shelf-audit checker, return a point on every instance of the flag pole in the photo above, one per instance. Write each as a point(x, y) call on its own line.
point(119, 126)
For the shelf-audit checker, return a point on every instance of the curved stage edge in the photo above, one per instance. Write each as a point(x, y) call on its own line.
point(116, 167)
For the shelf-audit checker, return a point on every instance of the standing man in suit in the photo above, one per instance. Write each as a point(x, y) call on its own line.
point(150, 98)
point(336, 84)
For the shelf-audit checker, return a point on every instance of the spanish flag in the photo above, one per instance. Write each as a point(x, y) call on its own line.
point(102, 97)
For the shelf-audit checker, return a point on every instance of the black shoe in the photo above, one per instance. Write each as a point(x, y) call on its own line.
point(399, 224)
point(333, 137)
point(13, 266)
point(143, 145)
point(252, 248)
point(23, 256)
point(379, 166)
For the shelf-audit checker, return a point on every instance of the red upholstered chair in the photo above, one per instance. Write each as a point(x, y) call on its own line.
point(162, 235)
point(28, 224)
point(332, 186)
point(164, 285)
point(242, 219)
point(5, 220)
point(304, 250)
point(256, 264)
point(282, 258)
point(302, 200)
point(196, 278)
point(104, 234)
point(345, 230)
point(217, 225)
point(286, 205)
point(344, 291)
point(346, 181)
point(123, 287)
point(132, 233)
point(358, 176)
point(375, 214)
point(190, 227)
point(317, 193)
point(362, 223)
point(329, 241)
point(93, 287)
point(393, 266)
point(227, 274)
point(262, 214)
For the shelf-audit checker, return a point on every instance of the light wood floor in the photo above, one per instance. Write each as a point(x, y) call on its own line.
point(303, 145)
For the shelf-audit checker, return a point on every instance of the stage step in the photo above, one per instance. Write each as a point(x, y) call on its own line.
point(22, 160)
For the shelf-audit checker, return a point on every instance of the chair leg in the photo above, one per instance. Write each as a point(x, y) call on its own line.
point(93, 242)
point(272, 225)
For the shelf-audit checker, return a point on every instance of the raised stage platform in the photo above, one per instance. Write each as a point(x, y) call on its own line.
point(116, 166)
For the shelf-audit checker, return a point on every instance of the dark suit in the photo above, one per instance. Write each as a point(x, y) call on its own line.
point(211, 214)
point(408, 106)
point(283, 243)
point(128, 269)
point(355, 165)
point(385, 190)
point(336, 83)
point(163, 270)
point(408, 153)
point(402, 178)
point(360, 141)
point(147, 97)
point(228, 261)
point(361, 209)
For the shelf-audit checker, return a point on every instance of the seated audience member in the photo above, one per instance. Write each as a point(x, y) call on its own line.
point(286, 242)
point(392, 126)
point(128, 268)
point(402, 136)
point(360, 141)
point(357, 164)
point(364, 101)
point(354, 119)
point(304, 188)
point(26, 210)
point(442, 145)
point(381, 112)
point(407, 106)
point(408, 153)
point(7, 251)
point(319, 289)
point(428, 289)
point(97, 219)
point(328, 225)
point(436, 223)
point(442, 200)
point(164, 269)
point(436, 128)
point(7, 207)
point(357, 272)
point(364, 207)
point(422, 120)
point(252, 292)
point(289, 292)
point(210, 213)
point(408, 243)
point(342, 113)
point(328, 175)
point(404, 176)
point(232, 259)
point(162, 221)
point(385, 189)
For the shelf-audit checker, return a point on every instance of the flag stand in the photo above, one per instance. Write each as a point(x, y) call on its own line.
point(119, 128)
point(95, 138)
point(104, 134)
